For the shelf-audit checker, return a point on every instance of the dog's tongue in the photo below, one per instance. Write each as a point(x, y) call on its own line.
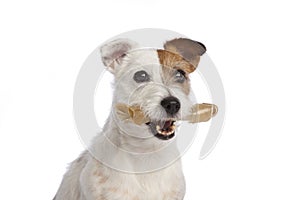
point(167, 124)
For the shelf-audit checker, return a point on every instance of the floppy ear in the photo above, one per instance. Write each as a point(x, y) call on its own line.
point(112, 53)
point(190, 50)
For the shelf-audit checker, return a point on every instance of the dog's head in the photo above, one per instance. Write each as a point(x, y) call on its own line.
point(157, 80)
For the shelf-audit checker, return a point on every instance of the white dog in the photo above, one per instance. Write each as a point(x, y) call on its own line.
point(138, 162)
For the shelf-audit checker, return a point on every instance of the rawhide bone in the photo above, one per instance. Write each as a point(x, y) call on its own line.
point(199, 113)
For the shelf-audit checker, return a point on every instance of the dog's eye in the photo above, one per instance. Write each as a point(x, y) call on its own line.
point(180, 76)
point(141, 76)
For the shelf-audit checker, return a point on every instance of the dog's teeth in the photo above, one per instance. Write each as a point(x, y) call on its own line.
point(173, 127)
point(167, 132)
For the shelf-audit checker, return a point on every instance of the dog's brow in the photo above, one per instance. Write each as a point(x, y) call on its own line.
point(170, 63)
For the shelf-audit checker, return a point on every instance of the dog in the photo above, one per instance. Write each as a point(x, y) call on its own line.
point(158, 81)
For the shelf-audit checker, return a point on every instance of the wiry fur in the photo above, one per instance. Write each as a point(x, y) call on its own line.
point(88, 178)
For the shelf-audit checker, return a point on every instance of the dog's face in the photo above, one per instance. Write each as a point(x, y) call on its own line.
point(157, 80)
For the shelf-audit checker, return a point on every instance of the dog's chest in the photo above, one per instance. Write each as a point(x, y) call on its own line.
point(161, 185)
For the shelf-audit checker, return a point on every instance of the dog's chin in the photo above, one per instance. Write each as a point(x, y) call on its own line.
point(163, 130)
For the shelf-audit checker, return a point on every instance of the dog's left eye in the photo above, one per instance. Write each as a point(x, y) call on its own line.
point(180, 76)
point(141, 76)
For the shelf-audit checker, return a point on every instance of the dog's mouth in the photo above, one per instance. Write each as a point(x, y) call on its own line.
point(163, 130)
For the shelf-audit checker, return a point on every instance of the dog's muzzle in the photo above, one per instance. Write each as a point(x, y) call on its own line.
point(165, 129)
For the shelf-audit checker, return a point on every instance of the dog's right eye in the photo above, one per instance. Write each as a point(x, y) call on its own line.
point(141, 76)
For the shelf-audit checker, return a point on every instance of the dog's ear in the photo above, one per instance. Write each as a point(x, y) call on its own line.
point(113, 52)
point(190, 50)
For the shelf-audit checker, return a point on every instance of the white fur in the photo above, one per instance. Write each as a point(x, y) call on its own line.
point(89, 179)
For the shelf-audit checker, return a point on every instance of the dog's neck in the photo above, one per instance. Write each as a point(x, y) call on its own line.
point(115, 147)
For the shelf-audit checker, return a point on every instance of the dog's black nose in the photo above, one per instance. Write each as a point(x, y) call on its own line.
point(171, 105)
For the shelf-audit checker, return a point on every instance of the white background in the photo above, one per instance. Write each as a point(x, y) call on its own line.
point(254, 44)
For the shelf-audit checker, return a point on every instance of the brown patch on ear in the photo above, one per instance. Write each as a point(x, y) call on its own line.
point(175, 61)
point(190, 50)
point(171, 62)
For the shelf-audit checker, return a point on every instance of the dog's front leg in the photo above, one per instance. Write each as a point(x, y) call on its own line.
point(92, 181)
point(177, 191)
point(174, 196)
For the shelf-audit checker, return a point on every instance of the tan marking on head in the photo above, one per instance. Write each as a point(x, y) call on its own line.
point(175, 61)
point(171, 62)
